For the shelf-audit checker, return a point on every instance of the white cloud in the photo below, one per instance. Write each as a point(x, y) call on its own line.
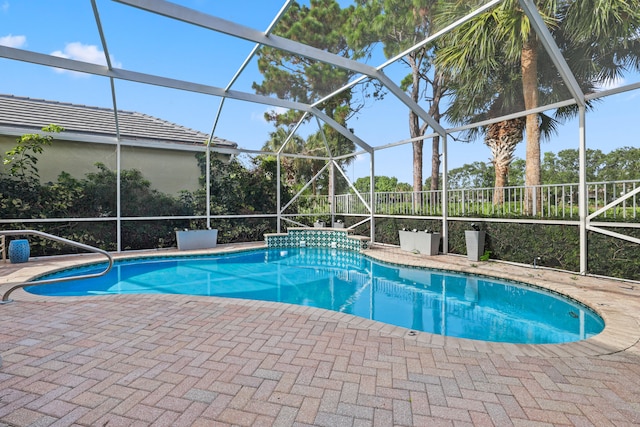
point(279, 110)
point(85, 53)
point(13, 41)
point(259, 116)
point(5, 6)
point(362, 159)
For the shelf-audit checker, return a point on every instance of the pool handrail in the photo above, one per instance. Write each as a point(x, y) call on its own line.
point(5, 297)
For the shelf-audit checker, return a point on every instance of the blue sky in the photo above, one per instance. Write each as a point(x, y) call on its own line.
point(148, 43)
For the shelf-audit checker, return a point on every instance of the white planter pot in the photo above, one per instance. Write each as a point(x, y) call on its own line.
point(475, 244)
point(407, 240)
point(196, 239)
point(419, 241)
point(427, 243)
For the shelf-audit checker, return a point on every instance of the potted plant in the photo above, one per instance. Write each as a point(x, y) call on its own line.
point(474, 239)
point(338, 224)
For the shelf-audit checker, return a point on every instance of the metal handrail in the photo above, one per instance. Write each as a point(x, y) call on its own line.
point(3, 253)
point(5, 297)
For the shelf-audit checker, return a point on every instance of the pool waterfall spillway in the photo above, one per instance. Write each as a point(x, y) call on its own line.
point(332, 238)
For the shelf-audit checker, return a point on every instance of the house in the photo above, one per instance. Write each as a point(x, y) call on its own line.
point(162, 151)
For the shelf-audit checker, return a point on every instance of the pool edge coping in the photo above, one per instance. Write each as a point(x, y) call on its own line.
point(622, 330)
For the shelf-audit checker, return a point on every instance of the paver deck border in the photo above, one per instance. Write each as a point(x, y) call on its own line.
point(617, 302)
point(181, 360)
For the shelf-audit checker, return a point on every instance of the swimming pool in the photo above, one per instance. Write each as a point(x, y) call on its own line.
point(439, 302)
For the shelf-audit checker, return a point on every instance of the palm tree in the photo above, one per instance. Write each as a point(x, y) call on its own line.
point(502, 138)
point(477, 55)
point(493, 97)
point(496, 96)
point(496, 61)
point(607, 34)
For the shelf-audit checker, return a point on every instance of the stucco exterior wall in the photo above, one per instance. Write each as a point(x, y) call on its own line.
point(169, 171)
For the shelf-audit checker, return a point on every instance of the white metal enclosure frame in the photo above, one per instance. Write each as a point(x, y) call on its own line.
point(266, 38)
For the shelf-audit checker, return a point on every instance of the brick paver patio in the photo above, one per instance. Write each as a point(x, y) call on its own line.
point(168, 360)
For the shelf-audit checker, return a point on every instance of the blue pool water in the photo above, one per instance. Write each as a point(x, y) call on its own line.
point(439, 302)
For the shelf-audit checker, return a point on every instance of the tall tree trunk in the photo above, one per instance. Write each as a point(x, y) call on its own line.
point(502, 153)
point(529, 64)
point(434, 111)
point(415, 131)
point(314, 171)
point(435, 171)
point(417, 152)
point(502, 172)
point(417, 169)
point(502, 139)
point(435, 163)
point(414, 125)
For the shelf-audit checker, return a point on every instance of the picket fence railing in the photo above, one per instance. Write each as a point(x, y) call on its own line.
point(544, 201)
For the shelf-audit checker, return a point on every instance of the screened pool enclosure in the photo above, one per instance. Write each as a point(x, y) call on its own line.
point(215, 68)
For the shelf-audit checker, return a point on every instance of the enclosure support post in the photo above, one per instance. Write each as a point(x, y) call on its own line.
point(118, 198)
point(445, 197)
point(583, 199)
point(278, 199)
point(208, 183)
point(118, 167)
point(372, 195)
point(332, 192)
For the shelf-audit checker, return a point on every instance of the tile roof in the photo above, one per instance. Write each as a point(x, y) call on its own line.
point(33, 113)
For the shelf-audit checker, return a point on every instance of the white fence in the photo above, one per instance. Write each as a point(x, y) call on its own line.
point(552, 201)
